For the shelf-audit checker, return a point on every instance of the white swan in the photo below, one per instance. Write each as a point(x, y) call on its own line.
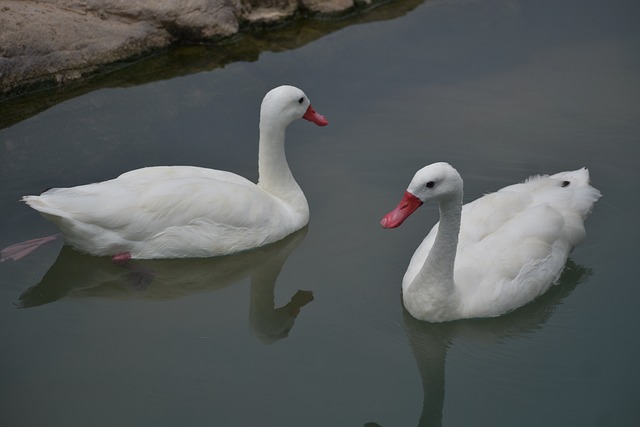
point(496, 253)
point(183, 211)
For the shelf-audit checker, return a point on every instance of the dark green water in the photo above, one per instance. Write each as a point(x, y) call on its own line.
point(500, 89)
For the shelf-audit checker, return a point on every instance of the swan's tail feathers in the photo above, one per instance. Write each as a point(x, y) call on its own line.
point(38, 203)
point(62, 211)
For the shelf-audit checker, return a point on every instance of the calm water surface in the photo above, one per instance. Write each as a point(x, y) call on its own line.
point(311, 331)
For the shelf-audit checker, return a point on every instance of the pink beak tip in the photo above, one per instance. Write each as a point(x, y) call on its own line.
point(315, 117)
point(385, 223)
point(406, 207)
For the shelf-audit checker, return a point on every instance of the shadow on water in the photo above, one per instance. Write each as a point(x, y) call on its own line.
point(76, 275)
point(431, 341)
point(185, 60)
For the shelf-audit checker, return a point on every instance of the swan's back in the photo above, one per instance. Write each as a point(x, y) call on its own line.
point(567, 193)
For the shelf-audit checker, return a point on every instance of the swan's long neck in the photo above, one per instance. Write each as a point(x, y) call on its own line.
point(433, 289)
point(439, 264)
point(274, 174)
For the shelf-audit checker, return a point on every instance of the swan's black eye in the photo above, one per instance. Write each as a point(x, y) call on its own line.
point(430, 184)
point(301, 100)
point(565, 183)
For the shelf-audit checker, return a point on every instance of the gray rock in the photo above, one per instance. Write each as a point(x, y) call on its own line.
point(56, 41)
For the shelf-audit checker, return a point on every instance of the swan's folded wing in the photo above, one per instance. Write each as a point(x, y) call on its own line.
point(484, 216)
point(142, 203)
point(516, 263)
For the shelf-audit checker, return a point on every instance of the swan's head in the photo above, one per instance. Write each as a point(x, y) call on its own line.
point(438, 181)
point(285, 104)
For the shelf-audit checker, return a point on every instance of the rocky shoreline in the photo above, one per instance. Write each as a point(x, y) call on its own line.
point(53, 42)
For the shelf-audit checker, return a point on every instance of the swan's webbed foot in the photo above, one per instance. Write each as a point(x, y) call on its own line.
point(22, 249)
point(121, 258)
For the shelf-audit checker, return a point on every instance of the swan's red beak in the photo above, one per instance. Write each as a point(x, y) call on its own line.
point(315, 117)
point(406, 207)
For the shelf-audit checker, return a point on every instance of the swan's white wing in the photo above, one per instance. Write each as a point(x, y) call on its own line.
point(514, 264)
point(528, 242)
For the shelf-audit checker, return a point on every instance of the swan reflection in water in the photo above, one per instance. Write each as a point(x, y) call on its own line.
point(76, 275)
point(431, 341)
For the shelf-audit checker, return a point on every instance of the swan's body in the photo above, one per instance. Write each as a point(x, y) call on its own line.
point(183, 211)
point(496, 253)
